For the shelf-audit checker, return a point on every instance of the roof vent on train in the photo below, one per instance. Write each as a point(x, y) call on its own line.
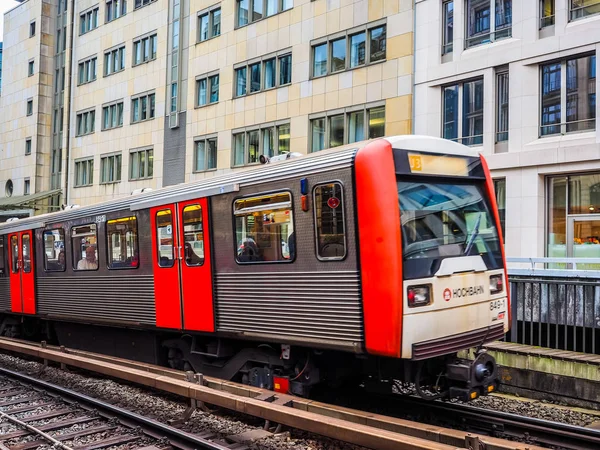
point(68, 207)
point(140, 190)
point(12, 219)
point(266, 160)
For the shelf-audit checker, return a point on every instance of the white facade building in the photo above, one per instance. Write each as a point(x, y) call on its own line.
point(516, 79)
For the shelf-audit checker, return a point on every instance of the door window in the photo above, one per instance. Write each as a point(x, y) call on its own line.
point(26, 253)
point(14, 253)
point(193, 235)
point(329, 218)
point(164, 238)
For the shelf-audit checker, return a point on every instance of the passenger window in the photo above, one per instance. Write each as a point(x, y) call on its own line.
point(264, 228)
point(193, 235)
point(84, 241)
point(14, 253)
point(1, 256)
point(329, 221)
point(122, 245)
point(54, 250)
point(164, 236)
point(26, 253)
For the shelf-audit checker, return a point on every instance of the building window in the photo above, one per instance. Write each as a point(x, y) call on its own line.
point(207, 90)
point(334, 54)
point(448, 31)
point(30, 107)
point(144, 49)
point(110, 168)
point(487, 21)
point(85, 122)
point(140, 3)
point(568, 86)
point(249, 11)
point(330, 229)
point(264, 228)
point(88, 21)
point(345, 126)
point(115, 9)
point(268, 140)
point(502, 106)
point(112, 116)
point(580, 9)
point(84, 244)
point(87, 71)
point(500, 189)
point(26, 186)
point(547, 13)
point(205, 153)
point(54, 250)
point(30, 68)
point(122, 237)
point(464, 125)
point(141, 164)
point(114, 61)
point(142, 107)
point(209, 24)
point(84, 172)
point(28, 146)
point(32, 29)
point(269, 72)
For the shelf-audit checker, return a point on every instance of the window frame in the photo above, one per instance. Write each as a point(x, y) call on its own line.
point(261, 61)
point(90, 163)
point(109, 243)
point(86, 23)
point(208, 77)
point(492, 32)
point(293, 221)
point(30, 67)
point(109, 7)
point(345, 227)
point(280, 10)
point(459, 84)
point(210, 12)
point(205, 139)
point(107, 107)
point(29, 110)
point(83, 67)
point(148, 96)
point(152, 38)
point(27, 186)
point(173, 234)
point(109, 56)
point(274, 125)
point(51, 231)
point(74, 267)
point(82, 116)
point(28, 146)
point(496, 182)
point(548, 21)
point(141, 3)
point(499, 74)
point(581, 8)
point(184, 259)
point(347, 35)
point(145, 150)
point(447, 45)
point(32, 28)
point(105, 157)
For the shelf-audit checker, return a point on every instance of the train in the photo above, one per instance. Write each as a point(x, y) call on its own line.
point(378, 260)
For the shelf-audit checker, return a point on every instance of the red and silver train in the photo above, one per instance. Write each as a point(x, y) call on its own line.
point(380, 259)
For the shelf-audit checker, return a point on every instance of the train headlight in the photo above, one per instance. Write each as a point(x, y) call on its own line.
point(419, 295)
point(496, 284)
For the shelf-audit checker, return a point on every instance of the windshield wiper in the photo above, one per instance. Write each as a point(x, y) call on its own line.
point(473, 236)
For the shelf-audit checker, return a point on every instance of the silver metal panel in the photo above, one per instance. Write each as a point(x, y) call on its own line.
point(107, 298)
point(295, 305)
point(21, 225)
point(4, 294)
point(182, 197)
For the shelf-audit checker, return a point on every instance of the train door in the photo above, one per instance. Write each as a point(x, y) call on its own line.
point(22, 290)
point(182, 268)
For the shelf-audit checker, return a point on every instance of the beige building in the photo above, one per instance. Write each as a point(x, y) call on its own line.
point(151, 93)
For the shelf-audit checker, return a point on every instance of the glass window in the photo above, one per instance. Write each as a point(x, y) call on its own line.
point(204, 27)
point(377, 38)
point(110, 169)
point(473, 113)
point(193, 235)
point(546, 13)
point(487, 21)
point(253, 146)
point(240, 82)
point(356, 126)
point(285, 70)
point(255, 77)
point(202, 91)
point(141, 164)
point(268, 141)
point(54, 250)
point(122, 246)
point(257, 10)
point(318, 134)
point(500, 190)
point(26, 241)
point(29, 107)
point(164, 238)
point(329, 221)
point(14, 253)
point(557, 217)
point(336, 130)
point(84, 241)
point(30, 68)
point(270, 69)
point(264, 229)
point(216, 22)
point(242, 7)
point(206, 154)
point(286, 4)
point(238, 149)
point(1, 257)
point(448, 24)
point(502, 107)
point(551, 104)
point(271, 7)
point(214, 88)
point(32, 29)
point(28, 146)
point(357, 50)
point(376, 122)
point(583, 8)
point(338, 55)
point(319, 60)
point(283, 132)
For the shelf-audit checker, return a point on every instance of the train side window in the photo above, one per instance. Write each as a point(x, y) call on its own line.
point(122, 245)
point(193, 235)
point(26, 241)
point(164, 238)
point(84, 242)
point(1, 256)
point(264, 228)
point(330, 228)
point(54, 250)
point(14, 254)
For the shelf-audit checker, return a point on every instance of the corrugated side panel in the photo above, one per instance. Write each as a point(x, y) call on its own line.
point(4, 294)
point(324, 306)
point(113, 298)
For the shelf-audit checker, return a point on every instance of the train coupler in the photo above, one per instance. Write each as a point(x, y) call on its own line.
point(471, 379)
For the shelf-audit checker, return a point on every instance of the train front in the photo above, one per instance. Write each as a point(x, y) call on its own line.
point(453, 280)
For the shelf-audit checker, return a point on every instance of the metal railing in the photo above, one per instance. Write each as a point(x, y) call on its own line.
point(555, 303)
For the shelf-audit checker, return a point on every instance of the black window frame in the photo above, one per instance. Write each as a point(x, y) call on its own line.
point(51, 231)
point(109, 243)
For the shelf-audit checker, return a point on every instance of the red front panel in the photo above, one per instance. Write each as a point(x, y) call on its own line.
point(15, 272)
point(196, 274)
point(27, 272)
point(380, 248)
point(167, 294)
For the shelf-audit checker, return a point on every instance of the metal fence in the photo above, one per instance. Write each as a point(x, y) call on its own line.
point(555, 303)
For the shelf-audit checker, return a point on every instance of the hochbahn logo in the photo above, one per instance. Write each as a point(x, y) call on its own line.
point(467, 291)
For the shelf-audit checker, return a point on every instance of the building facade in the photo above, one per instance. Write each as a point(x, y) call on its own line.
point(516, 80)
point(140, 93)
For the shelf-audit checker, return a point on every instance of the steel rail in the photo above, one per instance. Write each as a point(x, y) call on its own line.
point(177, 438)
point(54, 442)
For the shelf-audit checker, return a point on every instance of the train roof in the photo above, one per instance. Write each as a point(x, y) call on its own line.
point(323, 161)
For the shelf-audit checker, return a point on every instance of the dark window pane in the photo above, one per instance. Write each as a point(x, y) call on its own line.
point(240, 82)
point(450, 113)
point(214, 88)
point(164, 238)
point(317, 134)
point(253, 146)
point(502, 113)
point(357, 50)
point(581, 94)
point(122, 246)
point(473, 113)
point(320, 60)
point(242, 12)
point(216, 24)
point(376, 122)
point(257, 10)
point(448, 31)
point(255, 77)
point(54, 250)
point(285, 70)
point(338, 55)
point(377, 38)
point(336, 130)
point(270, 69)
point(551, 108)
point(193, 235)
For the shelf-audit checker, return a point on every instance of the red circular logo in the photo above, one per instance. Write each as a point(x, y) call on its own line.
point(447, 294)
point(333, 202)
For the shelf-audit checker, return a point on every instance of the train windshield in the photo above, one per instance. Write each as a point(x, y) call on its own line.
point(445, 220)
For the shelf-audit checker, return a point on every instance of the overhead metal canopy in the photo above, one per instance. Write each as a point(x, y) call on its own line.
point(26, 201)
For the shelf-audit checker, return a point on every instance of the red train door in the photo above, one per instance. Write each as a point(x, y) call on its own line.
point(22, 284)
point(182, 269)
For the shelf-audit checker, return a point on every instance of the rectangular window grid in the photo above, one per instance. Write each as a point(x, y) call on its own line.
point(207, 90)
point(88, 21)
point(114, 60)
point(85, 122)
point(487, 21)
point(84, 172)
point(143, 107)
point(248, 11)
point(209, 24)
point(462, 121)
point(112, 115)
point(205, 153)
point(502, 106)
point(144, 49)
point(580, 9)
point(115, 9)
point(141, 164)
point(266, 73)
point(110, 168)
point(268, 140)
point(87, 71)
